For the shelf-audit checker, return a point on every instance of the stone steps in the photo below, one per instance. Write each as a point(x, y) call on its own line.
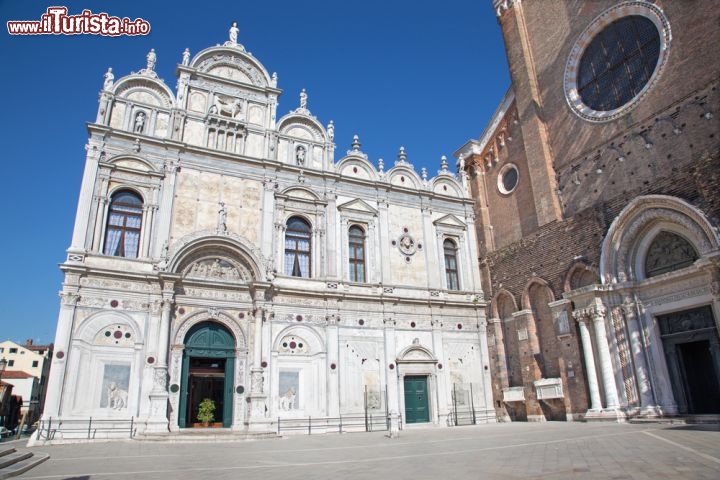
point(205, 435)
point(14, 462)
point(680, 420)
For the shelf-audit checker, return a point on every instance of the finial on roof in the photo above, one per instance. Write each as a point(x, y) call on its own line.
point(381, 166)
point(443, 163)
point(303, 99)
point(423, 173)
point(402, 156)
point(356, 144)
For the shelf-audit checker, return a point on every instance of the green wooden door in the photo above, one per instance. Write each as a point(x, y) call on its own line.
point(210, 344)
point(416, 400)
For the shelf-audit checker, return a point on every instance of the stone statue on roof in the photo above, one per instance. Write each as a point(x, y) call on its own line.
point(109, 79)
point(186, 56)
point(151, 60)
point(303, 99)
point(234, 30)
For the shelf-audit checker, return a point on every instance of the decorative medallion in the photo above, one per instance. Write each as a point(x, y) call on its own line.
point(406, 243)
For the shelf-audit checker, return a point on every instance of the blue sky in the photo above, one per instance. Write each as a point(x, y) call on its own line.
point(424, 75)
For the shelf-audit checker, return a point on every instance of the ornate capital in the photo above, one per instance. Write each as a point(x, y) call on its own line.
point(69, 298)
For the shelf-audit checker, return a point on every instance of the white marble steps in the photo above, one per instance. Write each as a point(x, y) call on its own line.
point(205, 435)
point(14, 462)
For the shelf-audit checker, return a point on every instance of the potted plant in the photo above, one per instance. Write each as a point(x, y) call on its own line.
point(206, 412)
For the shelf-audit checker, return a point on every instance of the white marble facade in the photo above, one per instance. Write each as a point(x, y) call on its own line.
point(217, 182)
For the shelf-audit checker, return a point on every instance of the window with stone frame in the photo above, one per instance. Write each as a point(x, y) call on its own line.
point(668, 252)
point(451, 266)
point(356, 251)
point(122, 232)
point(298, 248)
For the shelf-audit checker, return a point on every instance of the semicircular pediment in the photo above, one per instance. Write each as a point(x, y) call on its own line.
point(144, 90)
point(218, 268)
point(231, 64)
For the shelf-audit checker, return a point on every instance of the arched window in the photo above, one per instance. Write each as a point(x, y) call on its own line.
point(297, 248)
point(451, 269)
point(356, 247)
point(668, 252)
point(122, 235)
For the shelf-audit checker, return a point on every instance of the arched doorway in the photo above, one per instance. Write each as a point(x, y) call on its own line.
point(207, 372)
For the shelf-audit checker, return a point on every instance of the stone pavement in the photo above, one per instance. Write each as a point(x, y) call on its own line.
point(498, 451)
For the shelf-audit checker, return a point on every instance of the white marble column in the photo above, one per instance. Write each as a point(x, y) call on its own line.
point(642, 375)
point(384, 245)
point(590, 372)
point(438, 350)
point(485, 371)
point(63, 334)
point(158, 421)
point(333, 381)
point(257, 420)
point(431, 260)
point(390, 366)
point(606, 368)
point(82, 218)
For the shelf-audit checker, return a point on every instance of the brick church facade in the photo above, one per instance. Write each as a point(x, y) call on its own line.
point(597, 206)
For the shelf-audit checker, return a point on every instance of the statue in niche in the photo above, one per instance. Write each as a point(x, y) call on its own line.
point(117, 397)
point(186, 56)
point(222, 218)
point(109, 79)
point(303, 99)
point(151, 59)
point(287, 401)
point(234, 30)
point(139, 126)
point(300, 155)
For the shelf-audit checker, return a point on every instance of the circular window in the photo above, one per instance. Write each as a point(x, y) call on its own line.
point(616, 60)
point(508, 179)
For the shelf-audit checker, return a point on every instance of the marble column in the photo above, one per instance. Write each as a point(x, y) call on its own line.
point(442, 380)
point(63, 335)
point(257, 419)
point(158, 420)
point(642, 375)
point(390, 366)
point(599, 312)
point(590, 372)
point(333, 381)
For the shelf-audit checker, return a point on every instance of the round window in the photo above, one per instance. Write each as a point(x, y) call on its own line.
point(508, 179)
point(616, 60)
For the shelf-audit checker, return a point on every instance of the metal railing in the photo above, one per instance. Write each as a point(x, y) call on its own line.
point(51, 429)
point(341, 424)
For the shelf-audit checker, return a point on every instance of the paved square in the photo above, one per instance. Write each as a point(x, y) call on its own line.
point(502, 451)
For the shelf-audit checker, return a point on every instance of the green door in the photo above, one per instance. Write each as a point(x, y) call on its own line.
point(416, 400)
point(207, 372)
